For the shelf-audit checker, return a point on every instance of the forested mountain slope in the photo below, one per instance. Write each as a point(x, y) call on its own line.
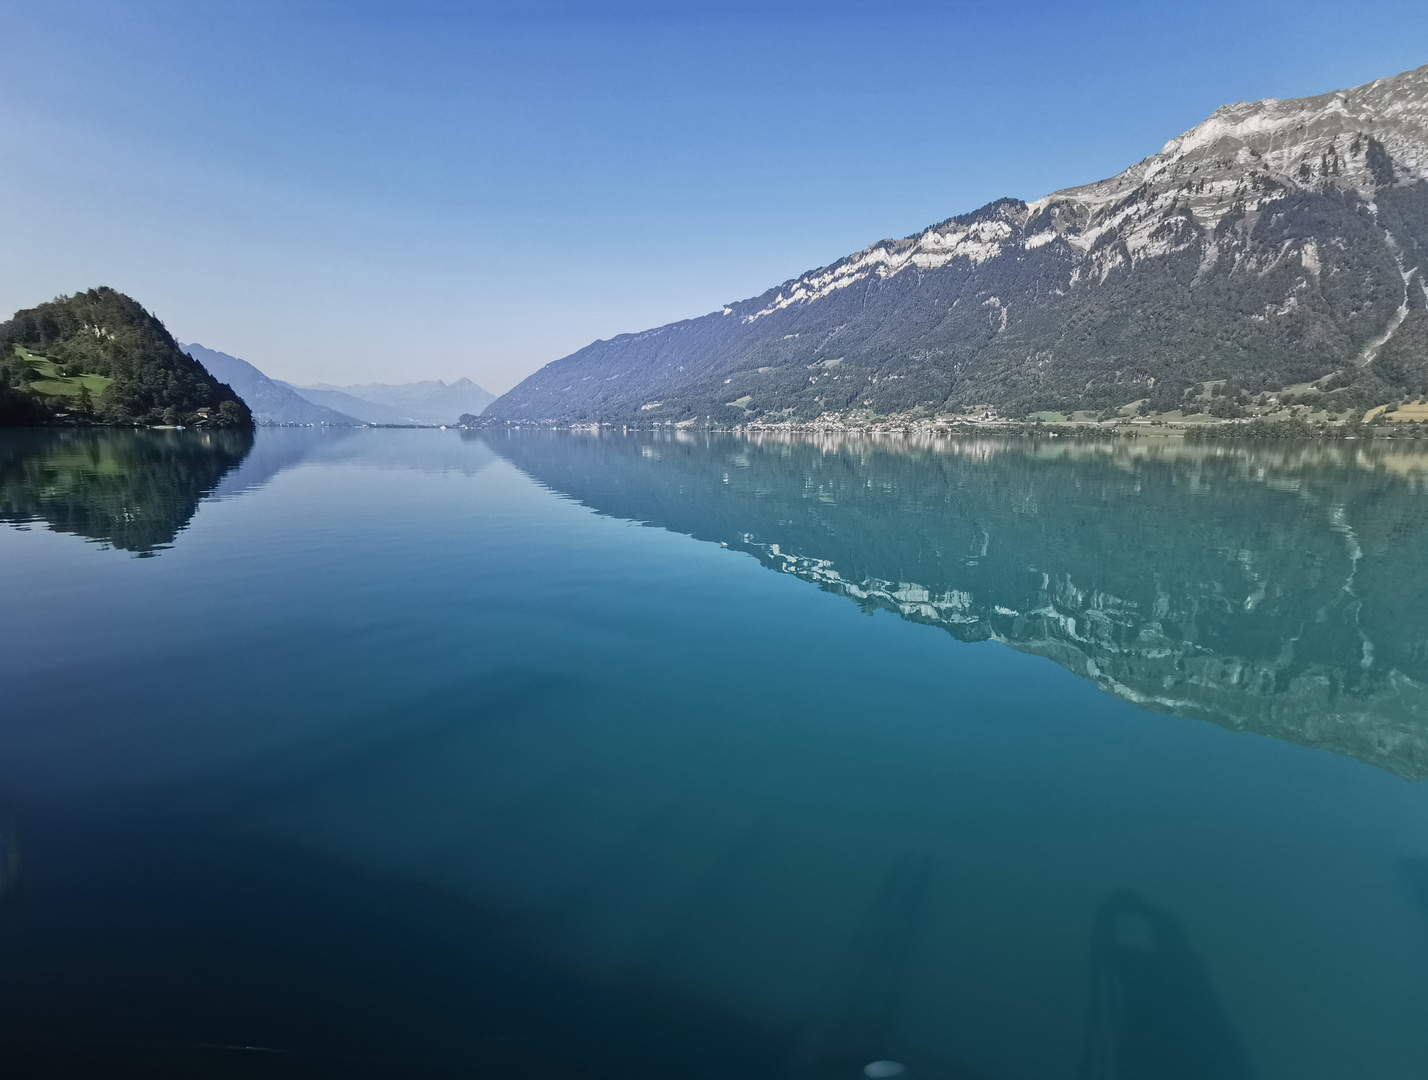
point(99, 357)
point(1278, 242)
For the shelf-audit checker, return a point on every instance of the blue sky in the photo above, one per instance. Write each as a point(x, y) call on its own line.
point(348, 192)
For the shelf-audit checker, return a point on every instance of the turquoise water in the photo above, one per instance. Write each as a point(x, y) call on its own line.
point(562, 755)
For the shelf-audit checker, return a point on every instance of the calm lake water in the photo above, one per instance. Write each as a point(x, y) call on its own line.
point(554, 755)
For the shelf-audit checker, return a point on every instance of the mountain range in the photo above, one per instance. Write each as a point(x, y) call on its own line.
point(272, 402)
point(1276, 244)
point(275, 402)
point(429, 402)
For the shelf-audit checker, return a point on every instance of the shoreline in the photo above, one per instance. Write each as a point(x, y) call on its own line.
point(1216, 431)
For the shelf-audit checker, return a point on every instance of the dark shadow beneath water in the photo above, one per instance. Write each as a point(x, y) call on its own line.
point(134, 950)
point(1154, 1014)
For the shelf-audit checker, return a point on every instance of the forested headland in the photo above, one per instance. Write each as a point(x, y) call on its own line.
point(98, 357)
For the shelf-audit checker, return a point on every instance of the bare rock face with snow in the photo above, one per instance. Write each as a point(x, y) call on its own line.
point(1278, 242)
point(1317, 142)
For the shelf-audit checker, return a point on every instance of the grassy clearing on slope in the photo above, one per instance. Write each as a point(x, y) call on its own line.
point(46, 378)
point(1409, 412)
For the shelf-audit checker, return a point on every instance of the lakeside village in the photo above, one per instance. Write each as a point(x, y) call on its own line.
point(1294, 413)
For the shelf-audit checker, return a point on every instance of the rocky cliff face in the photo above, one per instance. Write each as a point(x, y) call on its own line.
point(1276, 243)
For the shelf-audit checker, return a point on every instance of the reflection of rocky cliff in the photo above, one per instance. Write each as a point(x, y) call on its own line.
point(1280, 590)
point(135, 490)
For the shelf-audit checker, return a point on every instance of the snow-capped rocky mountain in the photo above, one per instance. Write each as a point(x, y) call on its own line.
point(1277, 242)
point(1351, 140)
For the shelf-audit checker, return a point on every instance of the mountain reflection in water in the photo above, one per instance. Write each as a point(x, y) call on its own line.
point(134, 490)
point(406, 763)
point(1293, 602)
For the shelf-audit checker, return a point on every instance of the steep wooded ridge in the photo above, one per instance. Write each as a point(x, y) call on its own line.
point(1277, 243)
point(99, 357)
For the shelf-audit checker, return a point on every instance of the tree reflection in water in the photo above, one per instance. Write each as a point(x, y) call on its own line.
point(134, 490)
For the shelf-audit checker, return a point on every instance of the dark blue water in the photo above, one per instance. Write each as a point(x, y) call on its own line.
point(552, 755)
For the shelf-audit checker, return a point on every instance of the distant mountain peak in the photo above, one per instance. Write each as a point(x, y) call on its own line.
point(428, 402)
point(272, 402)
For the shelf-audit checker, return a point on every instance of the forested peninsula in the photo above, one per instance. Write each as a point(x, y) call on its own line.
point(99, 357)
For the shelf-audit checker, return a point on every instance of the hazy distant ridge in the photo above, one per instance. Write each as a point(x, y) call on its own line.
point(274, 401)
point(429, 402)
point(364, 412)
point(271, 402)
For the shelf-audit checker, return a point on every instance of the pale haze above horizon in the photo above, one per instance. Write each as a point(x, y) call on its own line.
point(349, 193)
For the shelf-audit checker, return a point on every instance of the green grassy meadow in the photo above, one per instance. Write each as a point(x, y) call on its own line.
point(46, 378)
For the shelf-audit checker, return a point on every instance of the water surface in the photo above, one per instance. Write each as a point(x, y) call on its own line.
point(564, 755)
